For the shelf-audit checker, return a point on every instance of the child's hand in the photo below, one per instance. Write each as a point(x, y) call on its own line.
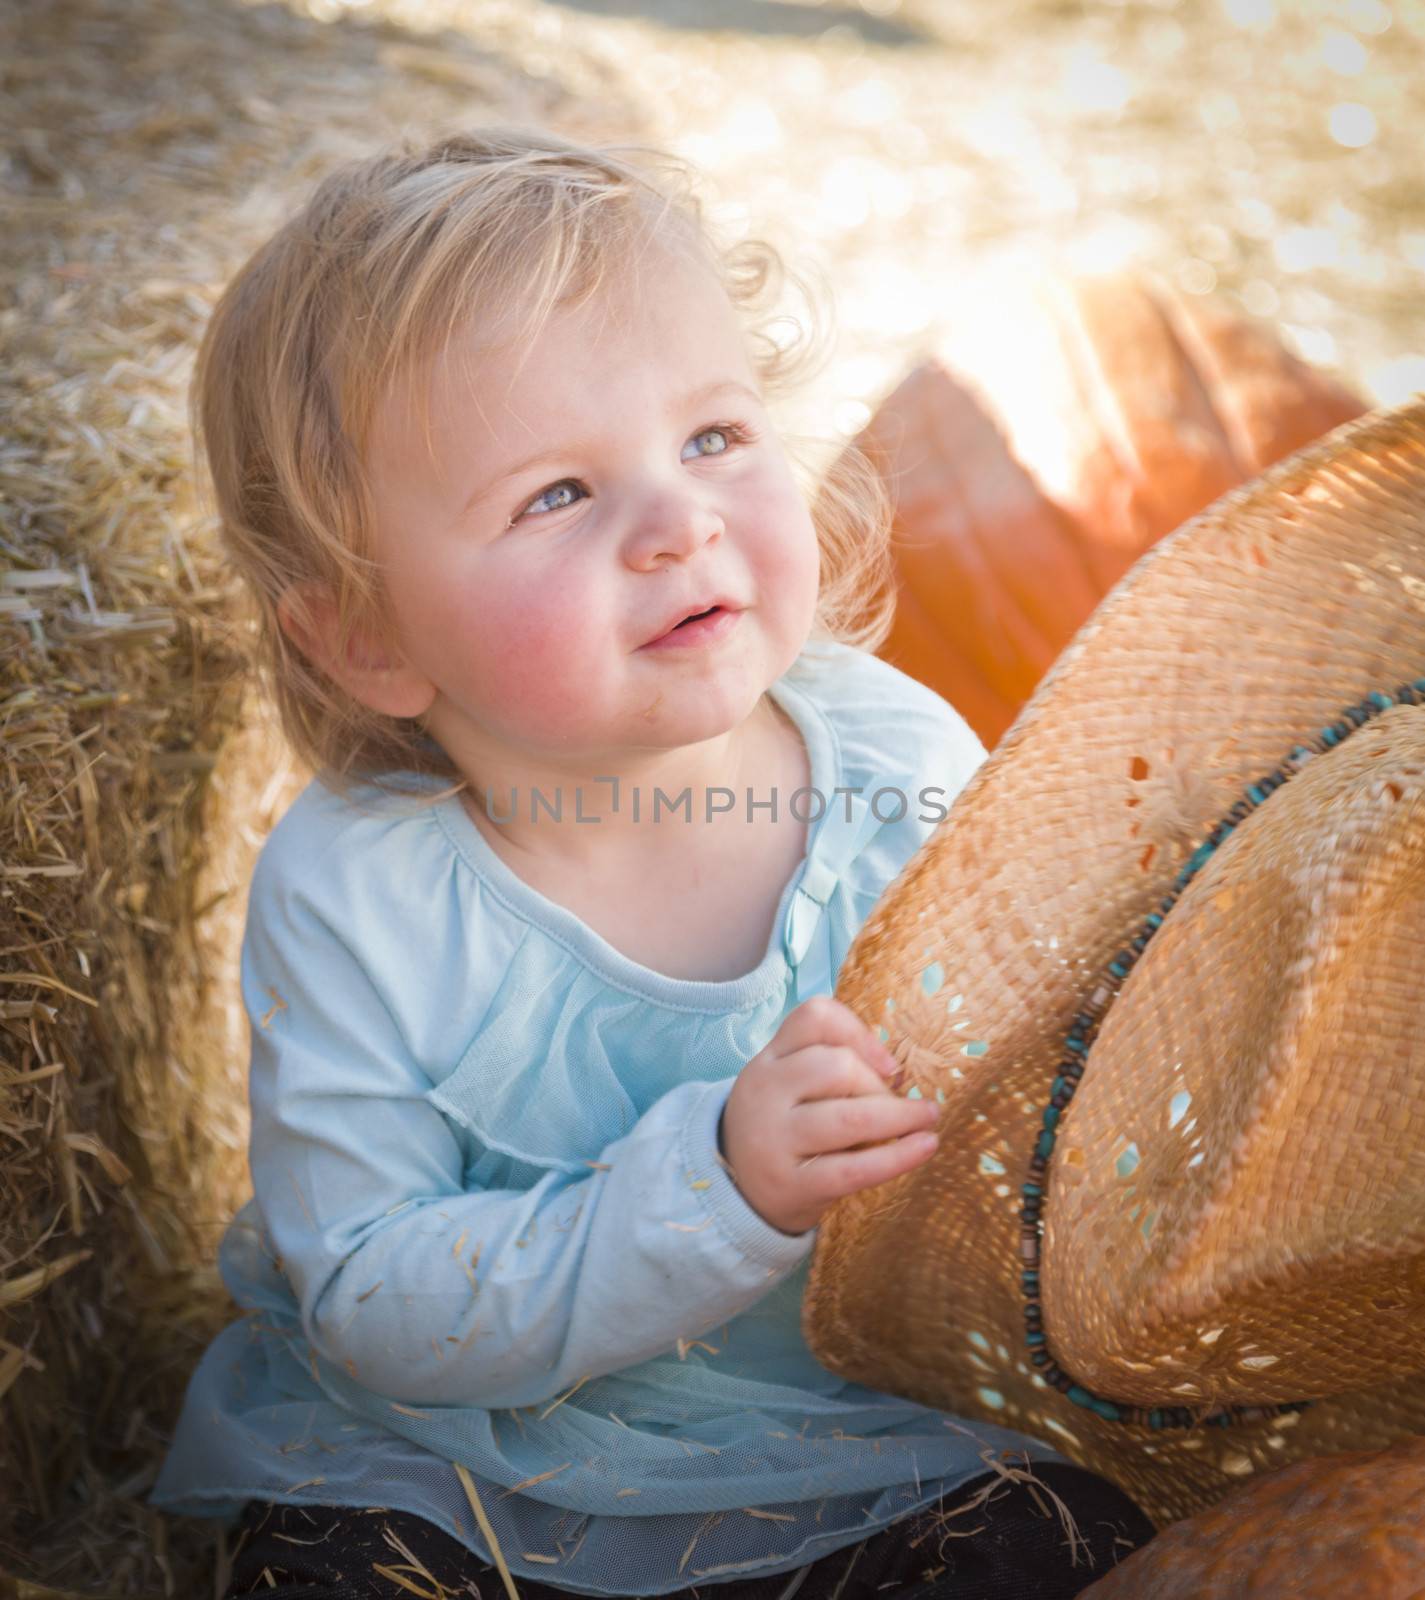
point(800, 1109)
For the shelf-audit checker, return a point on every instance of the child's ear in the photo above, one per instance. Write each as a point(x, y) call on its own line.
point(372, 673)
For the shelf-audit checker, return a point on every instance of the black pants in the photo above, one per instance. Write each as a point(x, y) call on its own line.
point(1012, 1546)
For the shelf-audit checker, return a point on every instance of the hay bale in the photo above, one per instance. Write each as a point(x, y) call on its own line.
point(114, 702)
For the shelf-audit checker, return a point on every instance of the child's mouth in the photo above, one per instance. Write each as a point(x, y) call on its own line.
point(705, 627)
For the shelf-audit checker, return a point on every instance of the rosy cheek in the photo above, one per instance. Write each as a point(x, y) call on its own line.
point(540, 651)
point(789, 553)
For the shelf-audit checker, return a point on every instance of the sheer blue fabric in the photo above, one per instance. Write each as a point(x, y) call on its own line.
point(490, 1228)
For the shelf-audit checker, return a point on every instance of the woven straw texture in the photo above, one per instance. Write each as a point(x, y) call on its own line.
point(1237, 1197)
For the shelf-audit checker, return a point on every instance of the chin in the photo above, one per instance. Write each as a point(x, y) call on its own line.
point(703, 711)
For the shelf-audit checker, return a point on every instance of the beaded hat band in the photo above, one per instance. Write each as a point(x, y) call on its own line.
point(1166, 985)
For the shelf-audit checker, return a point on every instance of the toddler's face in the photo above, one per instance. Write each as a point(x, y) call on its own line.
point(527, 594)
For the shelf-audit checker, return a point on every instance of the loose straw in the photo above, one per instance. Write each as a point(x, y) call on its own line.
point(468, 1484)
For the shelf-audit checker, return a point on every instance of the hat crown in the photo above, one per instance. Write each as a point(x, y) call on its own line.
point(1237, 637)
point(1238, 1211)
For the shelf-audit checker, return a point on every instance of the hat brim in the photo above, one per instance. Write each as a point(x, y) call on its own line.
point(1250, 627)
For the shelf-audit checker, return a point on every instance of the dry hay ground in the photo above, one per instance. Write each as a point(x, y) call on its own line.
point(145, 147)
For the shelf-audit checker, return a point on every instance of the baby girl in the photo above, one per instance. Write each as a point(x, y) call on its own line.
point(549, 1090)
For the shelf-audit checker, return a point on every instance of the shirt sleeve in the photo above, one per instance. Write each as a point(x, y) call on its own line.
point(427, 1291)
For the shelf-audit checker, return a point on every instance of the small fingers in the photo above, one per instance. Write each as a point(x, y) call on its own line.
point(830, 1072)
point(825, 1126)
point(824, 1020)
point(831, 1177)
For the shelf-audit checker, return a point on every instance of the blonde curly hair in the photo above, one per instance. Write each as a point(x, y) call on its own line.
point(360, 290)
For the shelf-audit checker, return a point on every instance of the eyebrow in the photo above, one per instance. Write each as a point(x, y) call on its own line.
point(686, 402)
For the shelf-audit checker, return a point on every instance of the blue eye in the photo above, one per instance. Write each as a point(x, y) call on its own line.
point(723, 433)
point(553, 489)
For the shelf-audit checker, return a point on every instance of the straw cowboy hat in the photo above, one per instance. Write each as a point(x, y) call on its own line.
point(1162, 965)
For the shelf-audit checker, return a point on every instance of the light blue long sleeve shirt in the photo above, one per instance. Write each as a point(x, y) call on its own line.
point(490, 1226)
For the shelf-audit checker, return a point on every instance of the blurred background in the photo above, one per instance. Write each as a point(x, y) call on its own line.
point(1260, 148)
point(914, 158)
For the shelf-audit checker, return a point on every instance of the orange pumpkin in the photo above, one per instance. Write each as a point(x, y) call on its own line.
point(1348, 1525)
point(991, 580)
point(1031, 470)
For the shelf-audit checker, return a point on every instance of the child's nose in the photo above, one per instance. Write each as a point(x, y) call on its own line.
point(673, 524)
